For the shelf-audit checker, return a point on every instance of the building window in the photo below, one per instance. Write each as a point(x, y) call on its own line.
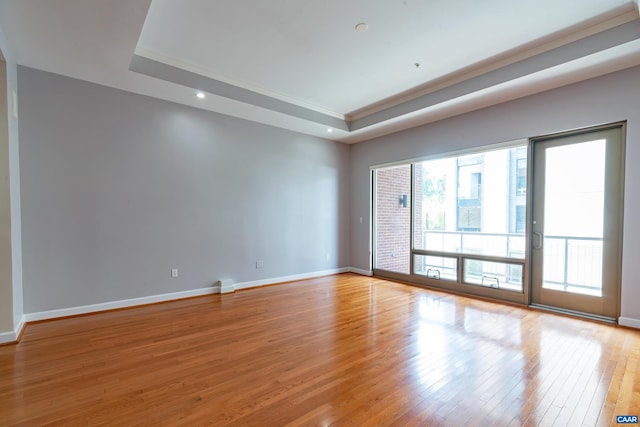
point(469, 193)
point(521, 177)
point(521, 216)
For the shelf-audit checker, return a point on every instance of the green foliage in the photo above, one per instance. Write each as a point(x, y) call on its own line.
point(434, 189)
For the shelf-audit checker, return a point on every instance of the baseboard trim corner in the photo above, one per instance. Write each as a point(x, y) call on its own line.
point(20, 328)
point(361, 271)
point(13, 337)
point(629, 322)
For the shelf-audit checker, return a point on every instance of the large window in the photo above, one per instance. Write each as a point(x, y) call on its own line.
point(467, 220)
point(465, 204)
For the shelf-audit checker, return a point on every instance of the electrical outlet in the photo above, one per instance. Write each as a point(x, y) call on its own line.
point(174, 272)
point(328, 256)
point(259, 264)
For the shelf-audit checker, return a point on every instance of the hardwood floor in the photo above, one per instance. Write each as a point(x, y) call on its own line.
point(343, 350)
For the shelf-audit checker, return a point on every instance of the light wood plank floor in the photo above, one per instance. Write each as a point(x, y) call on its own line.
point(343, 350)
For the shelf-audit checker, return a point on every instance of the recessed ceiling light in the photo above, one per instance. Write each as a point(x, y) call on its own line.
point(329, 130)
point(362, 26)
point(200, 95)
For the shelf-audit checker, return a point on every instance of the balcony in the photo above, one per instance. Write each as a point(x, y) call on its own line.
point(571, 264)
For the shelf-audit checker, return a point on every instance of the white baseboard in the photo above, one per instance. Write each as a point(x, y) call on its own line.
point(7, 337)
point(274, 280)
point(93, 308)
point(226, 286)
point(360, 271)
point(19, 327)
point(12, 336)
point(629, 322)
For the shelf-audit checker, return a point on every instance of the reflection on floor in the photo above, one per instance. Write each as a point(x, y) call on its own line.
point(342, 350)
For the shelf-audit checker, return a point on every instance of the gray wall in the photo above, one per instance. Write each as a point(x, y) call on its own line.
point(606, 99)
point(118, 188)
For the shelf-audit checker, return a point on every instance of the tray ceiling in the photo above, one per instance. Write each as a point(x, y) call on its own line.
point(303, 65)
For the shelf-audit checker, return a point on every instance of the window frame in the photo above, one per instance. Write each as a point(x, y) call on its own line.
point(516, 296)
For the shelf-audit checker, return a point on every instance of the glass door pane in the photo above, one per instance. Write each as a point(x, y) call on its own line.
point(574, 217)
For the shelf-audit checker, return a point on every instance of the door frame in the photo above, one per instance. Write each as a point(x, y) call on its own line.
point(613, 227)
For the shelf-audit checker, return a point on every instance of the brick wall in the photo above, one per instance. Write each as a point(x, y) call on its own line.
point(393, 221)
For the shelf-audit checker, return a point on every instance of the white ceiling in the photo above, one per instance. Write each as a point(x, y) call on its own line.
point(301, 65)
